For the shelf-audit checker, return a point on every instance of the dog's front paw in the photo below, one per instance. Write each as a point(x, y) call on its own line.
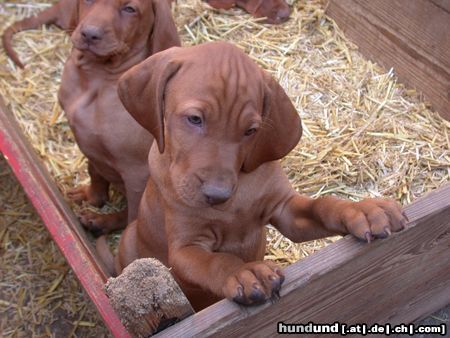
point(254, 283)
point(102, 224)
point(373, 218)
point(88, 194)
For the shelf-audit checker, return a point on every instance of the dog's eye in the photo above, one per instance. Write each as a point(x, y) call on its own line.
point(250, 131)
point(195, 120)
point(129, 9)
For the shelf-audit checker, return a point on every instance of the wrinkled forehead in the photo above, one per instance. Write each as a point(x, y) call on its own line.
point(220, 75)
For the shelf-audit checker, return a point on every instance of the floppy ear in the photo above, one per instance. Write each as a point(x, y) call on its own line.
point(141, 90)
point(164, 33)
point(221, 4)
point(281, 127)
point(68, 15)
point(251, 6)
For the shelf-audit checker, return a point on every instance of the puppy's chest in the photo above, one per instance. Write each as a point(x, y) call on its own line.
point(241, 235)
point(240, 228)
point(94, 112)
point(237, 229)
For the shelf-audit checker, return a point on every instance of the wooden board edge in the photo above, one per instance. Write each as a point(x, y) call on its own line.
point(225, 315)
point(57, 216)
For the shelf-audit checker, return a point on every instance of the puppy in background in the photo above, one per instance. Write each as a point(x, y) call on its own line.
point(109, 37)
point(276, 11)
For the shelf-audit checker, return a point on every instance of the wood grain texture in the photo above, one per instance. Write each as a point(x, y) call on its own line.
point(411, 36)
point(442, 4)
point(399, 279)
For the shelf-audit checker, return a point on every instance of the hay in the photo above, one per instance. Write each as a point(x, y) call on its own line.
point(39, 294)
point(364, 133)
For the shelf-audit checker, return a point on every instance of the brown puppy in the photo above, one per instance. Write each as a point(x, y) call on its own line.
point(109, 37)
point(276, 11)
point(220, 123)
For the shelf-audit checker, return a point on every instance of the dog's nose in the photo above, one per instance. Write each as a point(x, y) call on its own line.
point(216, 194)
point(91, 33)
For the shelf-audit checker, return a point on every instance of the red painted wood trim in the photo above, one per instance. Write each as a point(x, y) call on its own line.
point(57, 217)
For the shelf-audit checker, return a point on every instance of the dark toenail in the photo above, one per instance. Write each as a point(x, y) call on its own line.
point(257, 295)
point(239, 298)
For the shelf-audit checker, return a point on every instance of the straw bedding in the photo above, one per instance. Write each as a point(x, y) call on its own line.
point(39, 294)
point(364, 133)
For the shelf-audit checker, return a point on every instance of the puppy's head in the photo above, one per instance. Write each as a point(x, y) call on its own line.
point(276, 11)
point(213, 114)
point(114, 28)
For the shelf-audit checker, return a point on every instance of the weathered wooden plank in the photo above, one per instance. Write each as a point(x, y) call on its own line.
point(433, 201)
point(57, 216)
point(409, 35)
point(419, 24)
point(442, 4)
point(395, 280)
